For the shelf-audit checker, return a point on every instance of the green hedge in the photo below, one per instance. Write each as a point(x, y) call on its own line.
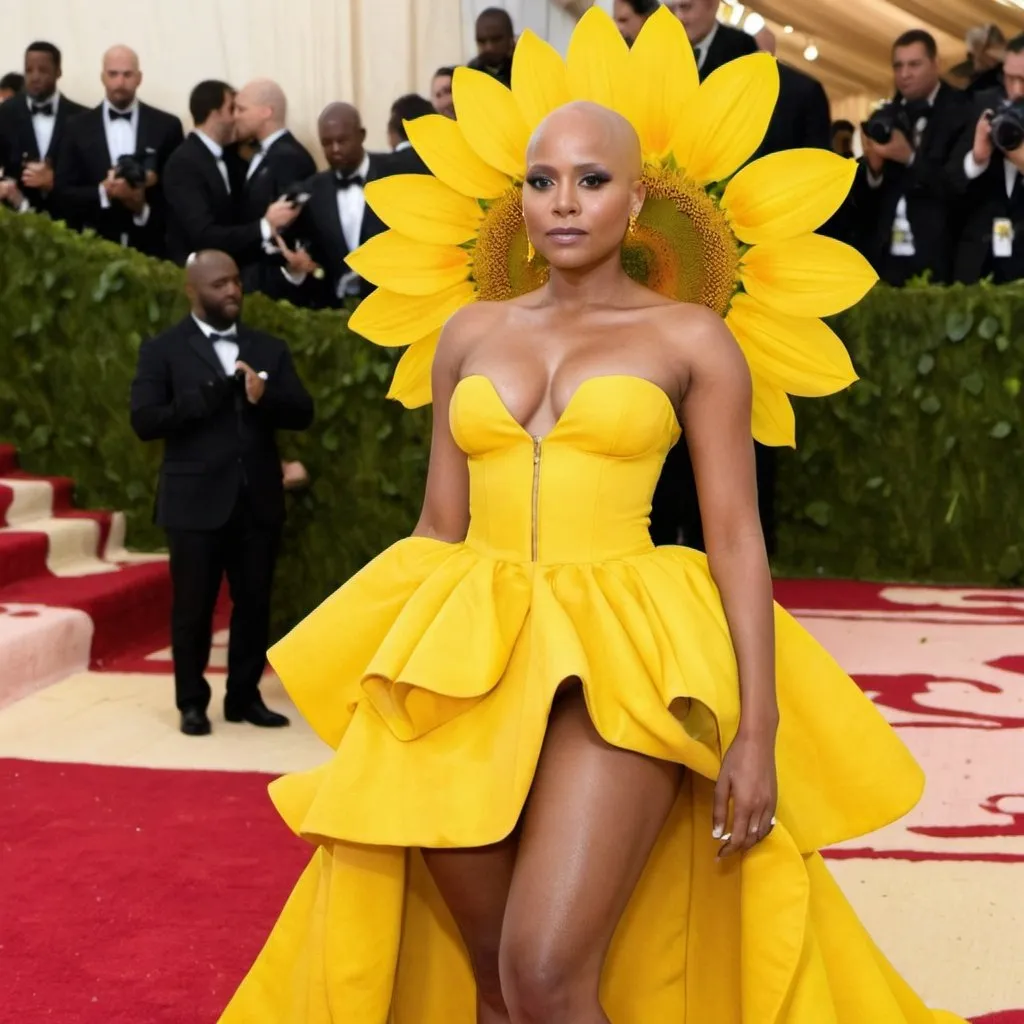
point(73, 311)
point(914, 473)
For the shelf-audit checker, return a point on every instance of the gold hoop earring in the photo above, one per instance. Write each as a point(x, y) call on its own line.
point(530, 251)
point(633, 218)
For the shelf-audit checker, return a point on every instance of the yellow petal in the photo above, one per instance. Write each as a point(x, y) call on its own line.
point(490, 121)
point(539, 81)
point(411, 383)
point(662, 78)
point(424, 208)
point(440, 143)
point(806, 276)
point(387, 318)
point(787, 194)
point(727, 121)
point(800, 355)
point(410, 268)
point(597, 62)
point(772, 421)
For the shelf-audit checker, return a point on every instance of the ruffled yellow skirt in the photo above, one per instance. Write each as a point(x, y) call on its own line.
point(432, 674)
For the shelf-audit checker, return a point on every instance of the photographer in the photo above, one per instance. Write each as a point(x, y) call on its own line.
point(215, 392)
point(988, 169)
point(111, 160)
point(904, 192)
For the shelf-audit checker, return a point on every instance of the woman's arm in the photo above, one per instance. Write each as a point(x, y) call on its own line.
point(445, 512)
point(716, 416)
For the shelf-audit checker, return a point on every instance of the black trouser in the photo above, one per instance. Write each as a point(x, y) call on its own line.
point(246, 550)
point(675, 512)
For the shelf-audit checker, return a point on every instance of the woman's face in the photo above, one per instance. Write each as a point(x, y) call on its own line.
point(628, 21)
point(582, 184)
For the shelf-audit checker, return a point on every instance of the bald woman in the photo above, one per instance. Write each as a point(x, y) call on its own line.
point(95, 184)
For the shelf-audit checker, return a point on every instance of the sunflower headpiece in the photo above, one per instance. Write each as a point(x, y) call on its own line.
point(738, 239)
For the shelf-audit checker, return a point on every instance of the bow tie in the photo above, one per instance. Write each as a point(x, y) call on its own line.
point(222, 337)
point(343, 181)
point(119, 115)
point(46, 109)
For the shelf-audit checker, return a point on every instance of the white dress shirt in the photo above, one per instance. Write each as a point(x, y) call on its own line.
point(218, 154)
point(227, 351)
point(44, 124)
point(351, 209)
point(122, 140)
point(262, 152)
point(701, 48)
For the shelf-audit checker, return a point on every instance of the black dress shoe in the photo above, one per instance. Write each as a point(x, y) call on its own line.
point(257, 713)
point(194, 722)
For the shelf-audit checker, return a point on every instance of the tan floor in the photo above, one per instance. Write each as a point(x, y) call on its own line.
point(952, 928)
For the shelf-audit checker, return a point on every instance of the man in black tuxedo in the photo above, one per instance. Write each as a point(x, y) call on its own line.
point(904, 193)
point(203, 182)
point(405, 159)
point(495, 44)
point(10, 85)
point(93, 186)
point(336, 219)
point(215, 392)
point(714, 44)
point(279, 165)
point(31, 128)
point(991, 182)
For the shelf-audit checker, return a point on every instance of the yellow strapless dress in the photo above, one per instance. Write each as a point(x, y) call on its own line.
point(431, 673)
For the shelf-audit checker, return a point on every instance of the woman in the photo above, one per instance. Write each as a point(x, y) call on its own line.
point(630, 16)
point(554, 795)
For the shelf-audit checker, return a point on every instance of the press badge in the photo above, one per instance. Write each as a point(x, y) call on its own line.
point(1002, 238)
point(902, 235)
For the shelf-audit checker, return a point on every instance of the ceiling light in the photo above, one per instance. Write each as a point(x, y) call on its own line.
point(754, 23)
point(736, 14)
point(811, 53)
point(788, 29)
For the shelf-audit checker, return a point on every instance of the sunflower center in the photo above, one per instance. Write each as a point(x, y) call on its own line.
point(682, 246)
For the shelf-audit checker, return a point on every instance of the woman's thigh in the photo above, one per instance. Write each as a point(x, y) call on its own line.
point(594, 814)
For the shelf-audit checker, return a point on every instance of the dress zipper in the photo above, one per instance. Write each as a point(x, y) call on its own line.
point(536, 497)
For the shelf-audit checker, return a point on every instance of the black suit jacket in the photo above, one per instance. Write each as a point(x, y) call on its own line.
point(286, 163)
point(18, 145)
point(930, 192)
point(319, 227)
point(215, 445)
point(802, 118)
point(984, 201)
point(201, 211)
point(85, 161)
point(406, 161)
point(728, 44)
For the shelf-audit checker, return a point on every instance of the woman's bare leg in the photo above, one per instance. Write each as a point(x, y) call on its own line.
point(474, 884)
point(594, 815)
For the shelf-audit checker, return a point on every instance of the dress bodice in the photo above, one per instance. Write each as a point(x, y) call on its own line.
point(582, 493)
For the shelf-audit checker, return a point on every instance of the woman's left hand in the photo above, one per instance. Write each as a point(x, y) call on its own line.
point(748, 781)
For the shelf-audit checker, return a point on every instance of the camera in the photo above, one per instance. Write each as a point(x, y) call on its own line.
point(1008, 126)
point(297, 195)
point(133, 167)
point(892, 117)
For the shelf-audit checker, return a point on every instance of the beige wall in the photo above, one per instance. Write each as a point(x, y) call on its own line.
point(319, 50)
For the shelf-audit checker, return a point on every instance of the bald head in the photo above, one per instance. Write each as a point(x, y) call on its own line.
point(589, 127)
point(342, 136)
point(260, 109)
point(765, 40)
point(121, 76)
point(214, 288)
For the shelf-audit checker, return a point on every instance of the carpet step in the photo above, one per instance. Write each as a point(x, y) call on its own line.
point(67, 574)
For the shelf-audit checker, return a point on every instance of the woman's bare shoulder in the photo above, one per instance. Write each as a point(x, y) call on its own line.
point(465, 328)
point(698, 337)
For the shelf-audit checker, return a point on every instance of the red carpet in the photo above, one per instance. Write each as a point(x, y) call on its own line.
point(133, 896)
